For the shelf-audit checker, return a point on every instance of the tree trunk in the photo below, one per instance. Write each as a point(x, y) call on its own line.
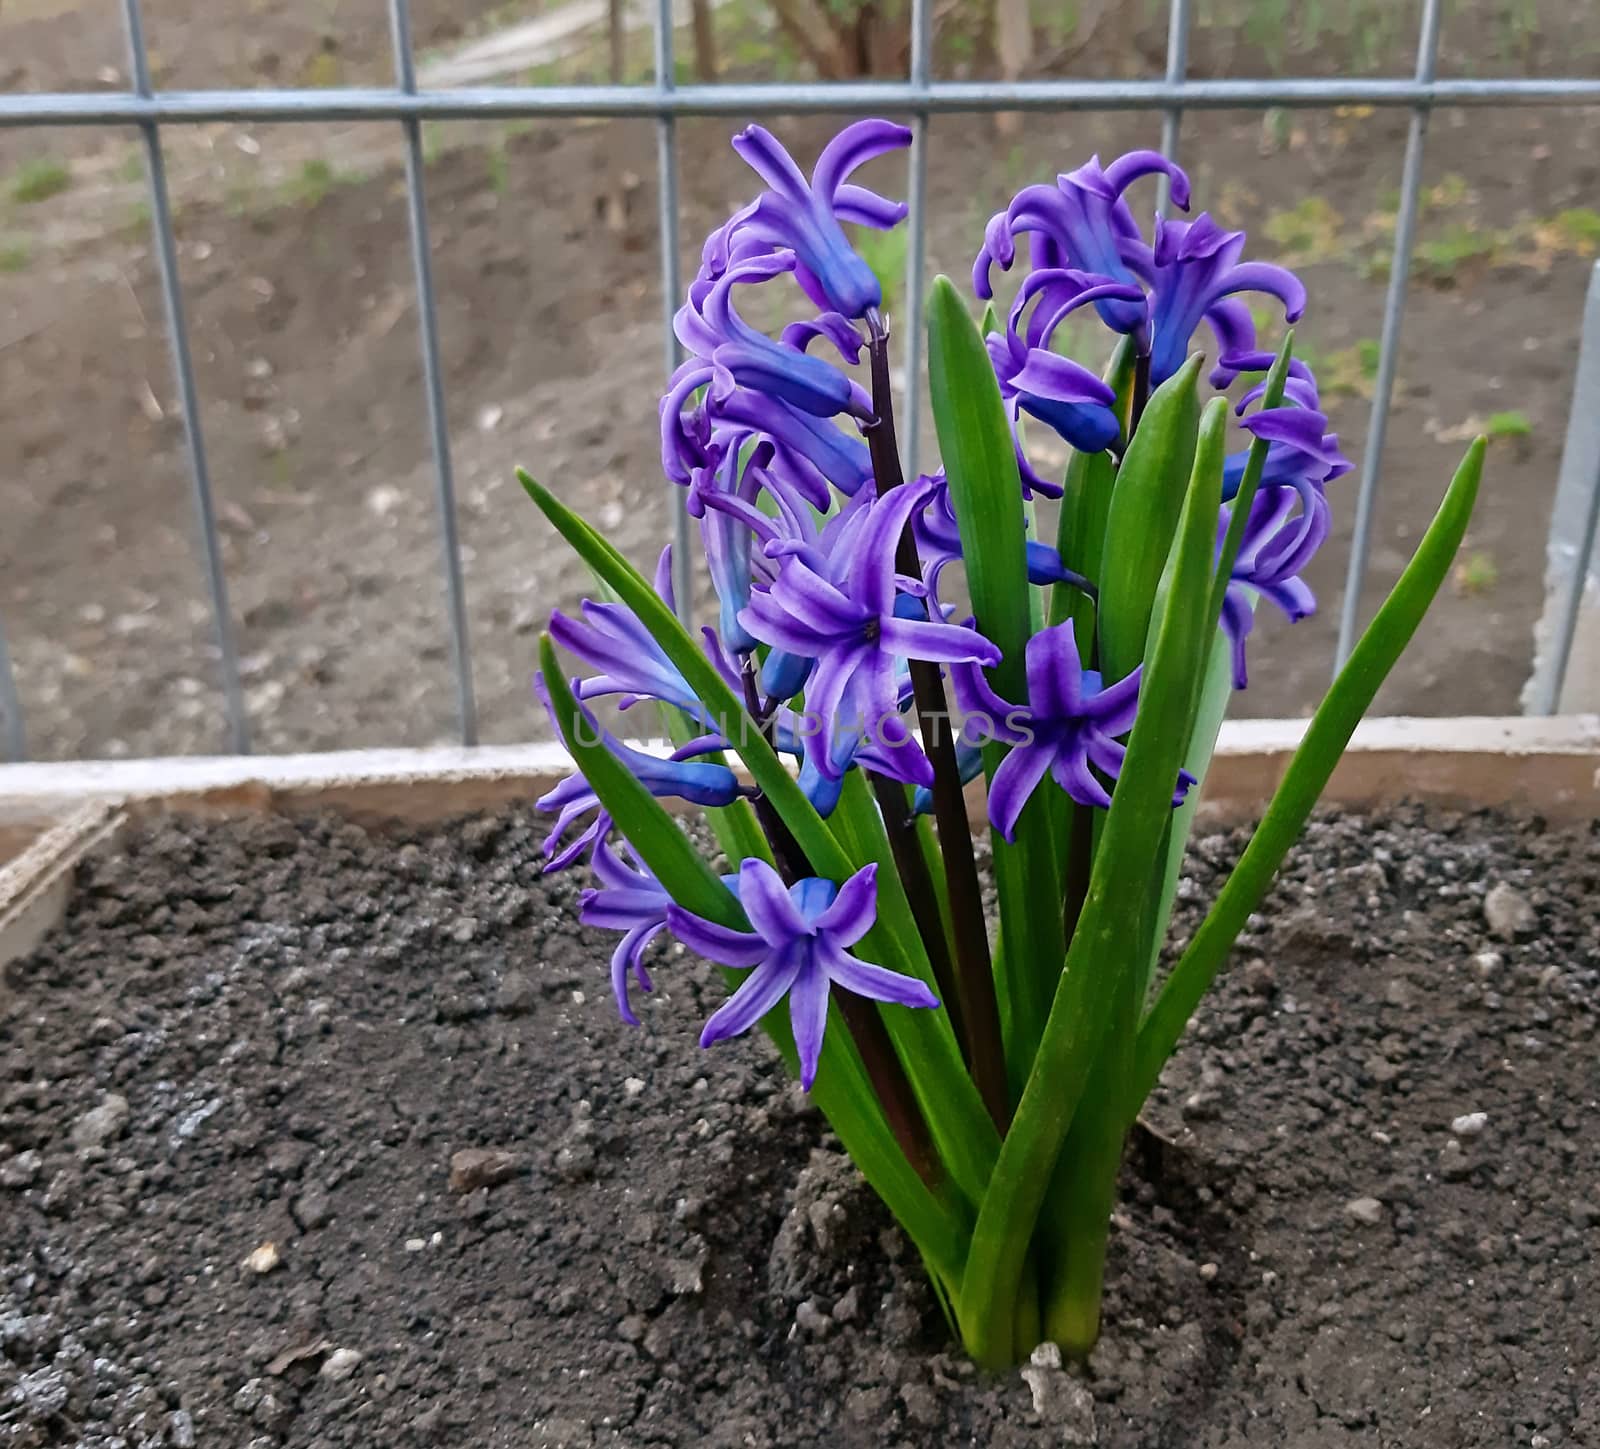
point(705, 43)
point(616, 37)
point(1014, 42)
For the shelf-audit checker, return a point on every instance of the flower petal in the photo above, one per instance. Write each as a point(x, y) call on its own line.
point(767, 902)
point(758, 993)
point(1016, 779)
point(714, 942)
point(808, 1012)
point(876, 983)
point(854, 909)
point(852, 147)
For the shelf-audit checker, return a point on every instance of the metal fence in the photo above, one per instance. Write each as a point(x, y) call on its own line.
point(147, 110)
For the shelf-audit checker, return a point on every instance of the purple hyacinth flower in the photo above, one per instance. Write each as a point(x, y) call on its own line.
point(1277, 545)
point(1036, 380)
point(611, 638)
point(808, 453)
point(1194, 275)
point(1301, 453)
point(842, 611)
point(631, 900)
point(681, 775)
point(799, 949)
point(709, 327)
point(1070, 723)
point(803, 216)
point(1082, 222)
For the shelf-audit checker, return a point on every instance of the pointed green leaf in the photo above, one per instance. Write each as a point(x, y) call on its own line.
point(1104, 950)
point(963, 1128)
point(985, 486)
point(1325, 739)
point(1143, 518)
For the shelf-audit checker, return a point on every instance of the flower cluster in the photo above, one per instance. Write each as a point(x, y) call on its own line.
point(828, 567)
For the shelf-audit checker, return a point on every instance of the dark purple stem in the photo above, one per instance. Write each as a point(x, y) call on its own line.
point(977, 1019)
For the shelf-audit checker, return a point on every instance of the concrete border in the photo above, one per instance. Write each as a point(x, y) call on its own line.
point(1549, 767)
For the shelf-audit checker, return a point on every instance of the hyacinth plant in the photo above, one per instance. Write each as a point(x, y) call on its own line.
point(982, 1073)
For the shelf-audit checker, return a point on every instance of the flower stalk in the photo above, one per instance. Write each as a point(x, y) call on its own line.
point(976, 1013)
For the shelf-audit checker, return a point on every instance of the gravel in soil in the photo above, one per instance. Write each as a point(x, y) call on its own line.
point(315, 1136)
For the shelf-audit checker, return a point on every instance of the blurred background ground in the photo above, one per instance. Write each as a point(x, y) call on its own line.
point(297, 276)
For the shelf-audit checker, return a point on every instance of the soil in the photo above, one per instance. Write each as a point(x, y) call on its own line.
point(298, 282)
point(1362, 1210)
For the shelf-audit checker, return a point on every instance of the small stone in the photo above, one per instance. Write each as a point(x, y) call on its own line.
point(632, 1086)
point(475, 1167)
point(848, 1308)
point(43, 1393)
point(1507, 911)
point(1060, 1400)
point(416, 1245)
point(249, 1394)
point(312, 1209)
point(1366, 1210)
point(575, 1163)
point(1454, 1164)
point(180, 1429)
point(100, 1124)
point(632, 1328)
point(812, 1319)
point(21, 1170)
point(515, 994)
point(1209, 1271)
point(1399, 993)
point(1486, 963)
point(464, 929)
point(1469, 1124)
point(340, 1364)
point(922, 1407)
point(384, 499)
point(263, 1259)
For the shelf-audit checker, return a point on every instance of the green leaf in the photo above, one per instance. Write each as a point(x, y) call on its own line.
point(1145, 506)
point(985, 486)
point(1104, 950)
point(980, 463)
point(642, 818)
point(962, 1128)
point(722, 704)
point(1325, 739)
point(1122, 376)
point(1216, 691)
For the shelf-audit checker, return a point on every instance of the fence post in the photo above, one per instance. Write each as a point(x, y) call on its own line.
point(1394, 308)
point(916, 232)
point(166, 249)
point(1574, 522)
point(671, 289)
point(11, 731)
point(1177, 68)
point(433, 380)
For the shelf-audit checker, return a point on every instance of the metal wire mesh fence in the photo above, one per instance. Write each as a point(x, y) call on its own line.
point(147, 110)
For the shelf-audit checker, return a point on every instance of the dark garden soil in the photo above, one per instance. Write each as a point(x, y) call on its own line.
point(313, 1136)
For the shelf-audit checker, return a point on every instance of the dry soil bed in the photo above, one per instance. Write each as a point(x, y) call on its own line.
point(1364, 1213)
